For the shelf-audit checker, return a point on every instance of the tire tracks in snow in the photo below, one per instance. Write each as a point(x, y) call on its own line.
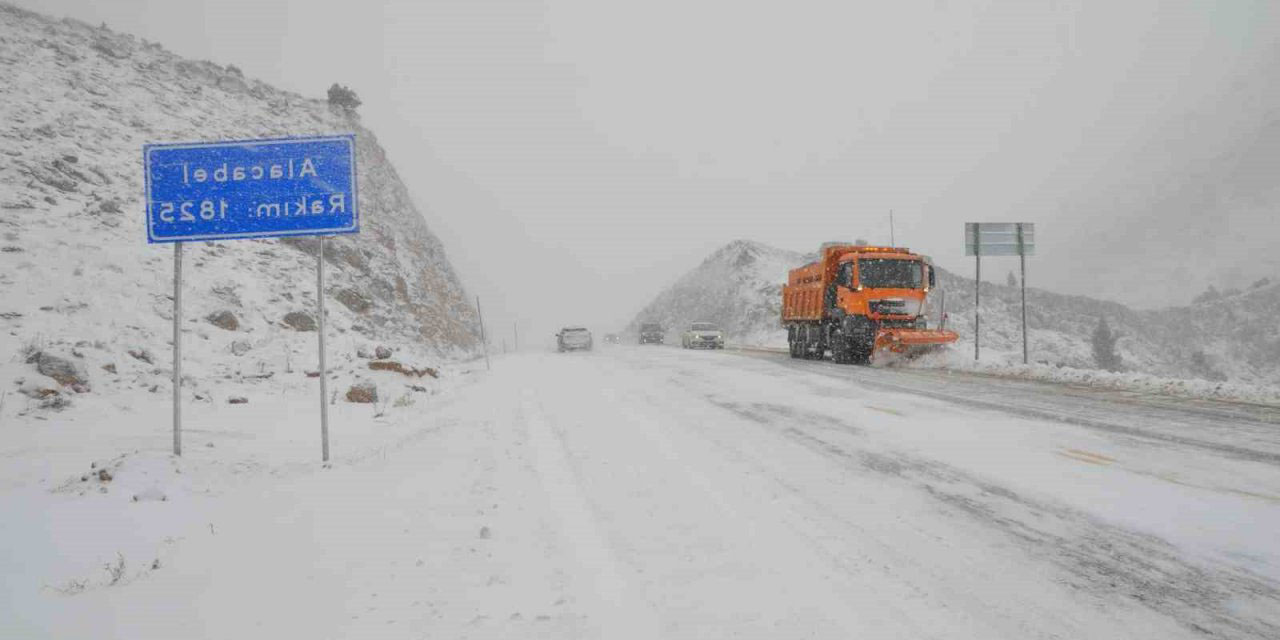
point(621, 612)
point(1104, 561)
point(1095, 410)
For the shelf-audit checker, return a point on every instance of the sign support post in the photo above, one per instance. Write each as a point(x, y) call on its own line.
point(177, 348)
point(999, 239)
point(1022, 258)
point(324, 374)
point(977, 287)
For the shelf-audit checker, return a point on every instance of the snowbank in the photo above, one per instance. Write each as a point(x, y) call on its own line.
point(1009, 365)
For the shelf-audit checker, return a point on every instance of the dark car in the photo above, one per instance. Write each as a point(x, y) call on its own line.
point(652, 333)
point(573, 339)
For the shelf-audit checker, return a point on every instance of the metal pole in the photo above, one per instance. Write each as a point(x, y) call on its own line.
point(942, 317)
point(483, 344)
point(892, 242)
point(324, 374)
point(515, 331)
point(1022, 257)
point(977, 286)
point(177, 348)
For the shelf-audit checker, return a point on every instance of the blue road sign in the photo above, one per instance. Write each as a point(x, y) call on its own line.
point(251, 188)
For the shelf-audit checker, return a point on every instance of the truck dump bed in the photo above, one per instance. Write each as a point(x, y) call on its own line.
point(802, 295)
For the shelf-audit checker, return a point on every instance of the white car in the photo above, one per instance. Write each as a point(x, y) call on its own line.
point(573, 339)
point(702, 335)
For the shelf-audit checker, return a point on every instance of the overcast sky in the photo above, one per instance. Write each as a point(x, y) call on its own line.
point(576, 156)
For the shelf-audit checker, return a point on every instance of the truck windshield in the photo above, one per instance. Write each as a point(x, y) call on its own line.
point(889, 273)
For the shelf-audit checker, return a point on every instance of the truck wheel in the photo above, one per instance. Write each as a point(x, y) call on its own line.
point(860, 337)
point(813, 350)
point(861, 348)
point(819, 346)
point(841, 350)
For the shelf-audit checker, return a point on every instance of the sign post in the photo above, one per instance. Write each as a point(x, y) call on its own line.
point(250, 189)
point(324, 373)
point(999, 239)
point(977, 288)
point(177, 348)
point(1022, 281)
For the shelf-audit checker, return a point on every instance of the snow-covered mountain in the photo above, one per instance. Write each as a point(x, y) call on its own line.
point(77, 104)
point(1230, 335)
point(738, 287)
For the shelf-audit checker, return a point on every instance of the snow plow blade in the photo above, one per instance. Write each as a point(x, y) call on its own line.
point(913, 340)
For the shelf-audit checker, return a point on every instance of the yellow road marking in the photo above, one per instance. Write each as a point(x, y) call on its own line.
point(1087, 456)
point(884, 410)
point(1101, 460)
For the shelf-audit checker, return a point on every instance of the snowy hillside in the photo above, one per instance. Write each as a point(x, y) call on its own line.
point(77, 277)
point(1229, 337)
point(738, 287)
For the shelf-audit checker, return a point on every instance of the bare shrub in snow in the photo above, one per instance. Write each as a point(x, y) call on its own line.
point(1201, 365)
point(115, 570)
point(363, 392)
point(66, 372)
point(353, 300)
point(223, 320)
point(55, 402)
point(300, 321)
point(1104, 346)
point(72, 587)
point(343, 98)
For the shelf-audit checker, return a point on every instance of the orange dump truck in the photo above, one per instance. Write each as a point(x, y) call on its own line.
point(858, 300)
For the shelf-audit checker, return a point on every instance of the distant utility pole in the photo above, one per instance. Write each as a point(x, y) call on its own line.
point(483, 344)
point(515, 331)
point(892, 241)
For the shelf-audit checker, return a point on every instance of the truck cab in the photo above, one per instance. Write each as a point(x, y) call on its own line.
point(890, 288)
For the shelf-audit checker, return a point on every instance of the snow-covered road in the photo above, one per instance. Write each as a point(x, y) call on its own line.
point(658, 493)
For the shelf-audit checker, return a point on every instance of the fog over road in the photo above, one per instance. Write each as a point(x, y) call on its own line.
point(650, 492)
